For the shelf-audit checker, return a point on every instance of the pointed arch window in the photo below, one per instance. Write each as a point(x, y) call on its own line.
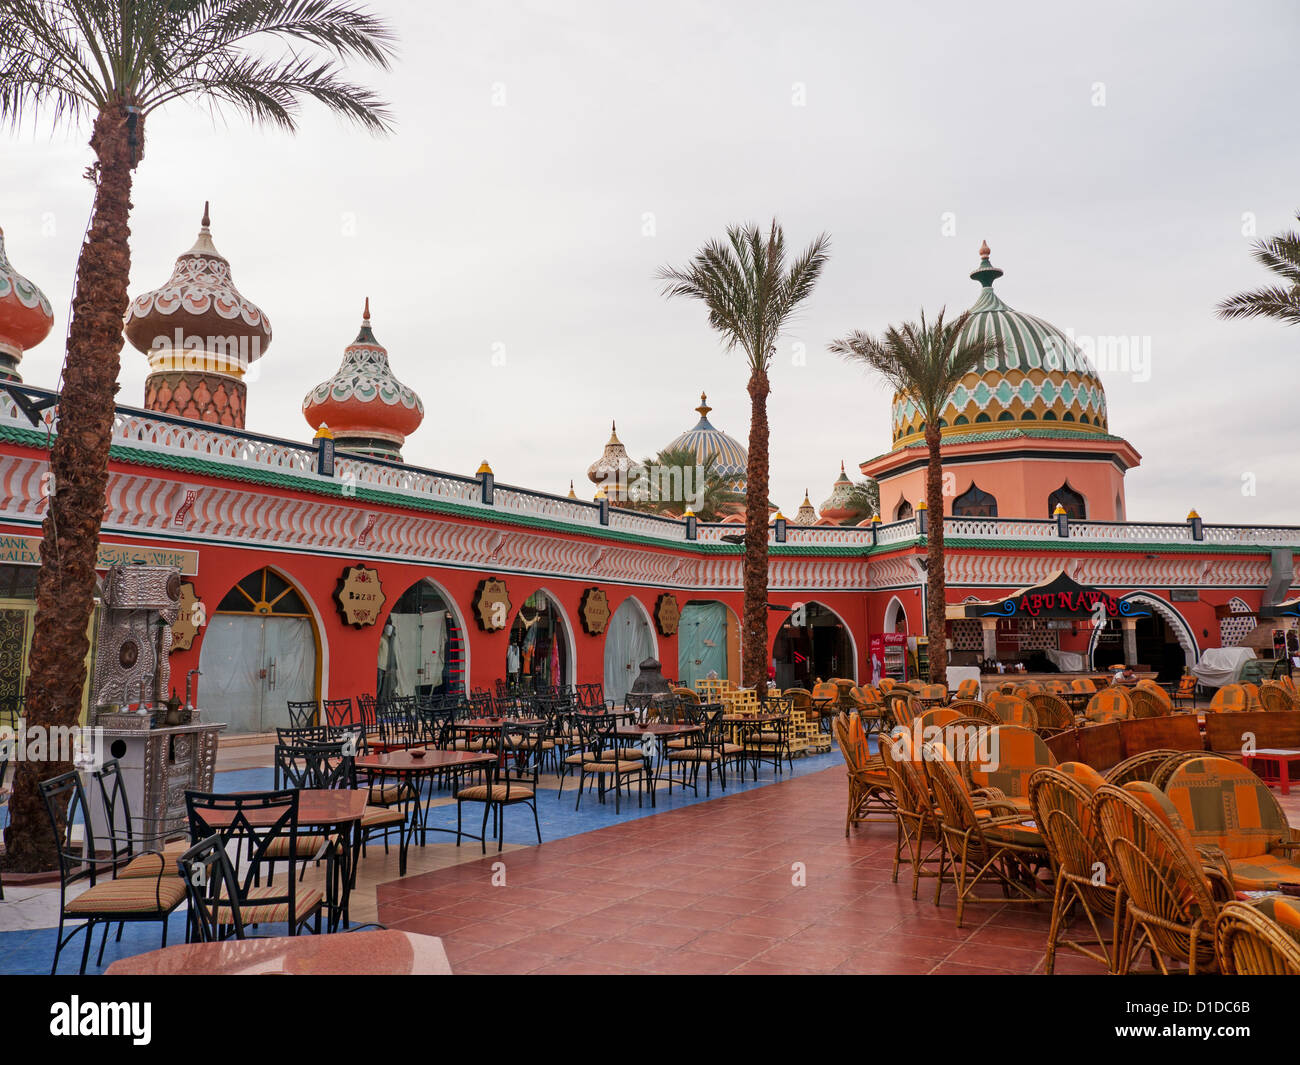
point(1075, 507)
point(975, 503)
point(903, 511)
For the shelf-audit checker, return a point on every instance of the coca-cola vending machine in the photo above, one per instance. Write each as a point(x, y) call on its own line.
point(888, 656)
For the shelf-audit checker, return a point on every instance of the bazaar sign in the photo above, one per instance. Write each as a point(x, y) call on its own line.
point(360, 596)
point(190, 616)
point(491, 604)
point(667, 614)
point(593, 610)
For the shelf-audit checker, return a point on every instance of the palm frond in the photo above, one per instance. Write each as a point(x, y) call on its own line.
point(1281, 255)
point(922, 360)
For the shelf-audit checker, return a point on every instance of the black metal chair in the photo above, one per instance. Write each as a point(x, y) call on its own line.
point(769, 740)
point(105, 901)
point(511, 781)
point(303, 712)
point(602, 757)
point(338, 712)
point(709, 748)
point(267, 823)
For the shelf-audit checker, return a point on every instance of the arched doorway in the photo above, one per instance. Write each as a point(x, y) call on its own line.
point(895, 616)
point(539, 654)
point(708, 641)
point(259, 653)
point(813, 644)
point(1165, 642)
point(629, 641)
point(422, 649)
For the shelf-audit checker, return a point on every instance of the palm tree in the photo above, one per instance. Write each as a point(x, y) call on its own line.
point(925, 362)
point(750, 296)
point(709, 496)
point(113, 63)
point(1281, 254)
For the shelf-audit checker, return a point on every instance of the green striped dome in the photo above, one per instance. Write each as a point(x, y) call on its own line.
point(1039, 379)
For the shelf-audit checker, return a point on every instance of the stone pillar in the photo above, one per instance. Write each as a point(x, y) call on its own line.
point(1130, 641)
point(989, 627)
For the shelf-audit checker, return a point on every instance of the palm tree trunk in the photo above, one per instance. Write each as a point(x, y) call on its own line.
point(936, 623)
point(754, 643)
point(65, 587)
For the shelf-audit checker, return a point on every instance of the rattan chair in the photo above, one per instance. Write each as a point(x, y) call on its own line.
point(1170, 905)
point(1276, 698)
point(1012, 710)
point(1061, 800)
point(1002, 848)
point(1051, 712)
point(1233, 699)
point(871, 796)
point(1226, 806)
point(1141, 766)
point(1259, 939)
point(1147, 704)
point(975, 708)
point(919, 833)
point(968, 689)
point(1109, 704)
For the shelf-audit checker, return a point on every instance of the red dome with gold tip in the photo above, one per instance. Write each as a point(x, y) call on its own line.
point(26, 316)
point(367, 409)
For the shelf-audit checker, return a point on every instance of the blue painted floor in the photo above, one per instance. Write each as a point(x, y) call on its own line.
point(27, 952)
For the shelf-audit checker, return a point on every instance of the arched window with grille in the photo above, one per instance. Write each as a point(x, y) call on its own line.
point(975, 503)
point(1076, 508)
point(903, 511)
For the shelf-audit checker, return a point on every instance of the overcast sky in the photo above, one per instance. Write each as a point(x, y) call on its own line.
point(549, 156)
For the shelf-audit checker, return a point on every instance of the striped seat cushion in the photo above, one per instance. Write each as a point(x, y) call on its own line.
point(149, 864)
point(137, 895)
point(494, 792)
point(382, 794)
point(308, 847)
point(595, 764)
point(307, 902)
point(1263, 872)
point(1015, 754)
point(1022, 835)
point(378, 816)
point(1082, 773)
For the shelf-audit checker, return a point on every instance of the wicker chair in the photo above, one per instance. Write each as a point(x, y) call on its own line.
point(1260, 938)
point(1276, 698)
point(1170, 905)
point(975, 708)
point(1012, 710)
point(1083, 686)
point(1225, 805)
point(1014, 754)
point(1052, 713)
point(1141, 766)
point(1166, 769)
point(918, 821)
point(937, 717)
point(1002, 848)
point(868, 705)
point(1061, 800)
point(870, 792)
point(1109, 704)
point(1232, 699)
point(1146, 703)
point(932, 694)
point(968, 689)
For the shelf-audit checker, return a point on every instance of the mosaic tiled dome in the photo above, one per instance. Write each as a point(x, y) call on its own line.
point(705, 440)
point(610, 471)
point(365, 406)
point(1039, 379)
point(25, 315)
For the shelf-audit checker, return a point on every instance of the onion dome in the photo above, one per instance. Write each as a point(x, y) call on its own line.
point(26, 316)
point(807, 513)
point(610, 471)
point(201, 336)
point(839, 506)
point(731, 460)
point(369, 411)
point(1039, 379)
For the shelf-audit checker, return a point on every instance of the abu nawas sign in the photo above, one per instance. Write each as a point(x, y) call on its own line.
point(1061, 597)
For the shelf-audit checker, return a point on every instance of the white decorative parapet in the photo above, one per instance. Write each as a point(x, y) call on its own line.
point(144, 431)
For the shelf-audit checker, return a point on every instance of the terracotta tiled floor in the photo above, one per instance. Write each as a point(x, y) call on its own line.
point(710, 889)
